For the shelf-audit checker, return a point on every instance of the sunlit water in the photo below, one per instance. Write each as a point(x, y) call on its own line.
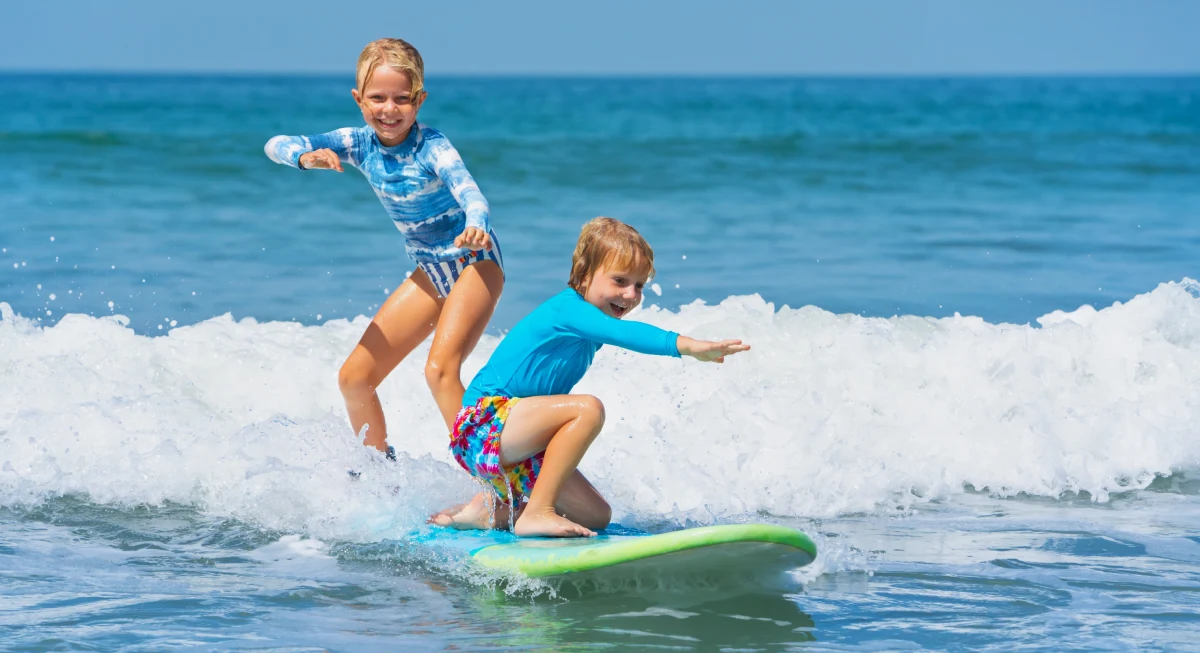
point(1021, 479)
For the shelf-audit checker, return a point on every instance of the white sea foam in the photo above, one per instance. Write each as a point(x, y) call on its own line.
point(828, 414)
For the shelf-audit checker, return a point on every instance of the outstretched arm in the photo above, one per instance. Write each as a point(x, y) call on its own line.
point(323, 151)
point(590, 322)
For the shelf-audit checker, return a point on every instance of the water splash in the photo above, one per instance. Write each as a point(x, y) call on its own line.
point(828, 415)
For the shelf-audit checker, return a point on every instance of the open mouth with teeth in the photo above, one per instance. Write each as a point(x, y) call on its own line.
point(617, 309)
point(390, 124)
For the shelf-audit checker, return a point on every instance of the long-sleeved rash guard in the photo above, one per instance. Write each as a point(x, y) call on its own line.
point(549, 351)
point(422, 182)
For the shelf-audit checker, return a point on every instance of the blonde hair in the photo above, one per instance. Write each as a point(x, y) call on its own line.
point(397, 54)
point(608, 242)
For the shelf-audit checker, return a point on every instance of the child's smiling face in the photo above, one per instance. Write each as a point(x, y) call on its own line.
point(616, 290)
point(388, 104)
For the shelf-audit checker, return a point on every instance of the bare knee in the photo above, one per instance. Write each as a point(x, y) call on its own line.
point(441, 372)
point(591, 409)
point(355, 376)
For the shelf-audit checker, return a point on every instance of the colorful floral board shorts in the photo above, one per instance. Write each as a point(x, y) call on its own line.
point(475, 444)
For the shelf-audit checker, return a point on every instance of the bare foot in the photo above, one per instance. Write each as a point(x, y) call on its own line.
point(445, 517)
point(546, 523)
point(473, 515)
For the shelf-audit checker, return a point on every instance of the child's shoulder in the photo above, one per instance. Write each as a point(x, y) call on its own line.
point(354, 138)
point(551, 307)
point(427, 130)
point(568, 305)
point(351, 132)
point(565, 297)
point(545, 316)
point(431, 137)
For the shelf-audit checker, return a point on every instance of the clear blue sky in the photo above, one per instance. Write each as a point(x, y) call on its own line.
point(611, 37)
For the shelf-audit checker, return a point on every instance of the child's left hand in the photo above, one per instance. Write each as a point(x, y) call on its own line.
point(474, 239)
point(709, 352)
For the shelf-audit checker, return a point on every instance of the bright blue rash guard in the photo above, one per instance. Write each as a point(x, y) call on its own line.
point(422, 183)
point(548, 351)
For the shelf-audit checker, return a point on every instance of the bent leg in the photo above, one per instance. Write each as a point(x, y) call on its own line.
point(464, 316)
point(563, 426)
point(402, 323)
point(580, 502)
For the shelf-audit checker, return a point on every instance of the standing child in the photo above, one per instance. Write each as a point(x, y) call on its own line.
point(519, 430)
point(434, 202)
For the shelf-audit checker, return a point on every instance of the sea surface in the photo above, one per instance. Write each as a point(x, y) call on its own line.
point(975, 374)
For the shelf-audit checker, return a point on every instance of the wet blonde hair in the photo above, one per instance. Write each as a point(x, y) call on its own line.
point(608, 242)
point(397, 54)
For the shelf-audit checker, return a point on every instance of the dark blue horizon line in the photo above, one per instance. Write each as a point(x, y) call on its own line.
point(219, 74)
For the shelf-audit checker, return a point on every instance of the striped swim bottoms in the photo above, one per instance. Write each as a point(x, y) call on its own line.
point(443, 274)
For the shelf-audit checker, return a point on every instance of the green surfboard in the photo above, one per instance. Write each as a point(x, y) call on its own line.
point(755, 549)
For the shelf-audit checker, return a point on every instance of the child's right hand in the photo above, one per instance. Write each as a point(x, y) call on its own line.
point(324, 159)
point(706, 351)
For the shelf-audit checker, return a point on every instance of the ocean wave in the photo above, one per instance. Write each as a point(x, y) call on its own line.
point(827, 415)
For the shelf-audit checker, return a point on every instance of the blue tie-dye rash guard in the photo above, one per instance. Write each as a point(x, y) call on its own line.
point(422, 182)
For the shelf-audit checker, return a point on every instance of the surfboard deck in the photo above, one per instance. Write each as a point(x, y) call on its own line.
point(756, 549)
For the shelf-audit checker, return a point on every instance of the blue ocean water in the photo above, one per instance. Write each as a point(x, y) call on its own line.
point(1005, 199)
point(975, 377)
